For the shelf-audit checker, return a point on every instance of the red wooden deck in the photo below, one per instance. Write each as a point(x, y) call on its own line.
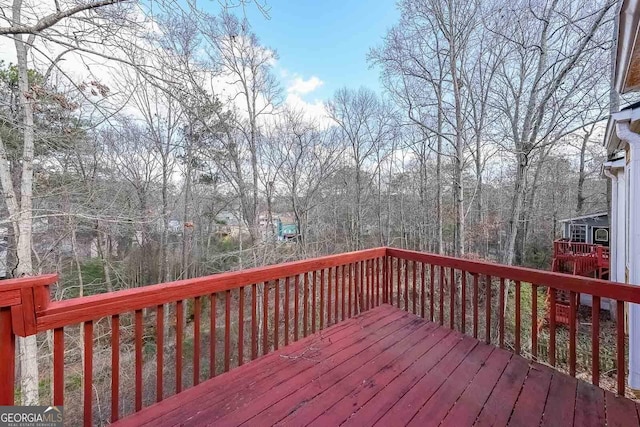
point(388, 367)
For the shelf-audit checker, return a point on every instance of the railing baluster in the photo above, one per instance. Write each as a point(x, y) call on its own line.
point(296, 307)
point(534, 321)
point(305, 304)
point(595, 340)
point(369, 272)
point(88, 374)
point(414, 284)
point(518, 316)
point(360, 299)
point(452, 298)
point(351, 285)
point(432, 292)
point(58, 368)
point(343, 284)
point(265, 318)
point(276, 315)
point(331, 284)
point(387, 272)
point(286, 310)
point(313, 301)
point(423, 288)
point(197, 309)
point(463, 304)
point(406, 285)
point(138, 359)
point(475, 305)
point(159, 352)
point(501, 314)
point(488, 310)
point(179, 326)
point(572, 334)
point(620, 320)
point(442, 279)
point(241, 326)
point(378, 261)
point(329, 295)
point(213, 300)
point(254, 321)
point(399, 268)
point(552, 326)
point(322, 298)
point(227, 330)
point(115, 368)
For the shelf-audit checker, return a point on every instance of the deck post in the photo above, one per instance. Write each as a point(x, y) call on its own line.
point(7, 358)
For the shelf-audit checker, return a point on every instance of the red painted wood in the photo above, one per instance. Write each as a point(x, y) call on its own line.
point(534, 321)
point(296, 307)
point(362, 370)
point(501, 315)
point(351, 285)
point(213, 302)
point(406, 407)
point(197, 314)
point(305, 305)
point(391, 378)
point(620, 411)
point(240, 326)
point(58, 369)
point(7, 358)
point(331, 285)
point(399, 281)
point(414, 284)
point(329, 296)
point(272, 407)
point(463, 305)
point(28, 282)
point(595, 341)
point(265, 319)
point(406, 284)
point(487, 297)
point(529, 408)
point(572, 334)
point(378, 264)
point(472, 400)
point(423, 289)
point(276, 314)
point(441, 307)
point(286, 310)
point(314, 306)
point(179, 333)
point(336, 339)
point(254, 319)
point(322, 299)
point(139, 360)
point(262, 401)
point(452, 298)
point(227, 330)
point(159, 351)
point(87, 387)
point(560, 411)
point(440, 402)
point(475, 305)
point(61, 313)
point(518, 325)
point(620, 350)
point(432, 293)
point(497, 409)
point(115, 368)
point(331, 401)
point(590, 410)
point(552, 327)
point(578, 284)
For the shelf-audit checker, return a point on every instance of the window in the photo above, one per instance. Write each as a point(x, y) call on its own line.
point(601, 235)
point(578, 233)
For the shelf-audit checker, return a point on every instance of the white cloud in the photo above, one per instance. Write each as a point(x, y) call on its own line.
point(301, 86)
point(314, 111)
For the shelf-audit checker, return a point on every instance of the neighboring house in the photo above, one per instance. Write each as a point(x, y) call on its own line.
point(593, 229)
point(623, 168)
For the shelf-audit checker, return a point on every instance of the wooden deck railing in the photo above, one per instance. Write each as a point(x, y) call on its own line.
point(112, 354)
point(563, 248)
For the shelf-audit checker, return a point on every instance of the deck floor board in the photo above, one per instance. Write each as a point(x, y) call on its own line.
point(390, 368)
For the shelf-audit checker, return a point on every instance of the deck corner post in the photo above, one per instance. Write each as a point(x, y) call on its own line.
point(7, 357)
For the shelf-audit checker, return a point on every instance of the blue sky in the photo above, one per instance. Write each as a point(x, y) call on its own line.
point(327, 39)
